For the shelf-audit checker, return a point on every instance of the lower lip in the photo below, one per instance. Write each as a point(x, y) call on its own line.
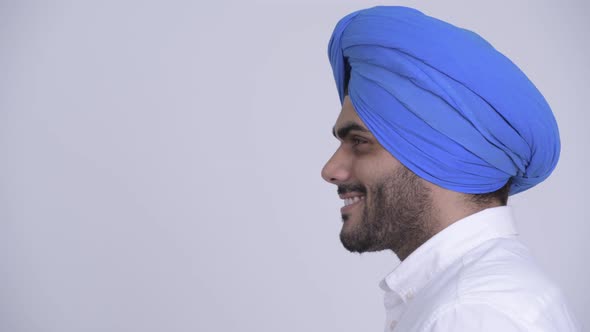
point(347, 208)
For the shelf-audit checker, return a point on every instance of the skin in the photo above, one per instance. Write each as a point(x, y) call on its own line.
point(397, 210)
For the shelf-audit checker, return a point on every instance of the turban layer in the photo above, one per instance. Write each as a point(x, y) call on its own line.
point(443, 101)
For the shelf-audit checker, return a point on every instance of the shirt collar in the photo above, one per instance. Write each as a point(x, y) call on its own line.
point(432, 257)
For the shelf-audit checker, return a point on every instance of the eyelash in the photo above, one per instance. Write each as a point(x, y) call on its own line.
point(357, 140)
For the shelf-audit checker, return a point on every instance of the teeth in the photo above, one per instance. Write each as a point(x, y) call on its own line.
point(352, 200)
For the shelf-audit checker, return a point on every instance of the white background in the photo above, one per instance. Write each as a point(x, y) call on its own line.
point(160, 163)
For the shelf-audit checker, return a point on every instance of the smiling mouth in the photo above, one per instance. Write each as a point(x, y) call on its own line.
point(350, 203)
point(353, 200)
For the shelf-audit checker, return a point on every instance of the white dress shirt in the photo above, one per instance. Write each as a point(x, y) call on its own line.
point(474, 276)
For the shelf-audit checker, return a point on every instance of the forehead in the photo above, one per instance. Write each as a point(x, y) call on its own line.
point(348, 115)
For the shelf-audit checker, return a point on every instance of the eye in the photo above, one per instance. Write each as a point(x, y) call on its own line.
point(357, 140)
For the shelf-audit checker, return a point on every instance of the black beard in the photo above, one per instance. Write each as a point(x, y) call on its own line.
point(396, 216)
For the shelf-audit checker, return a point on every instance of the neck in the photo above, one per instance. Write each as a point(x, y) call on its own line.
point(448, 207)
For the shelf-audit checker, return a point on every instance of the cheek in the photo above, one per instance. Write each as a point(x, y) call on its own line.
point(369, 175)
point(374, 164)
point(369, 171)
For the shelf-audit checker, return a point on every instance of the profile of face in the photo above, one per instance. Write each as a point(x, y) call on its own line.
point(386, 206)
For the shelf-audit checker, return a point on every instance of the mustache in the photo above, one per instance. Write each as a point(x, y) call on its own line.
point(348, 188)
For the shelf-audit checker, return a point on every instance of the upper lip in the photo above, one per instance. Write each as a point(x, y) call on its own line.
point(350, 195)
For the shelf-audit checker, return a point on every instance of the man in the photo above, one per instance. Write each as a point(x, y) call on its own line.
point(437, 128)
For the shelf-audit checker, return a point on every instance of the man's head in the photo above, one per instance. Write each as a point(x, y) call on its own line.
point(450, 125)
point(387, 206)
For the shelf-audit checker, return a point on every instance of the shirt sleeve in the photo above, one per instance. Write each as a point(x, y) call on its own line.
point(472, 317)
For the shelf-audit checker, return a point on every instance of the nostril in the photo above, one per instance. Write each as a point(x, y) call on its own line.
point(336, 169)
point(326, 174)
point(334, 173)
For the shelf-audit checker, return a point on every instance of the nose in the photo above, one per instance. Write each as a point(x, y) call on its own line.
point(337, 169)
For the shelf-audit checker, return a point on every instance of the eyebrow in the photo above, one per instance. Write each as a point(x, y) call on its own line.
point(347, 128)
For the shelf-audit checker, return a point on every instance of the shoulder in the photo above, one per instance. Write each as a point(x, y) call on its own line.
point(501, 271)
point(466, 316)
point(497, 285)
point(501, 281)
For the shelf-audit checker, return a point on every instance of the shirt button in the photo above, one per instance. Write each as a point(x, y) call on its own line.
point(392, 325)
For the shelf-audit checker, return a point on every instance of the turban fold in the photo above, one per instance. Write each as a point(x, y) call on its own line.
point(443, 101)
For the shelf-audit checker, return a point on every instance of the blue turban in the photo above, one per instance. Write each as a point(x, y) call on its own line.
point(443, 101)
